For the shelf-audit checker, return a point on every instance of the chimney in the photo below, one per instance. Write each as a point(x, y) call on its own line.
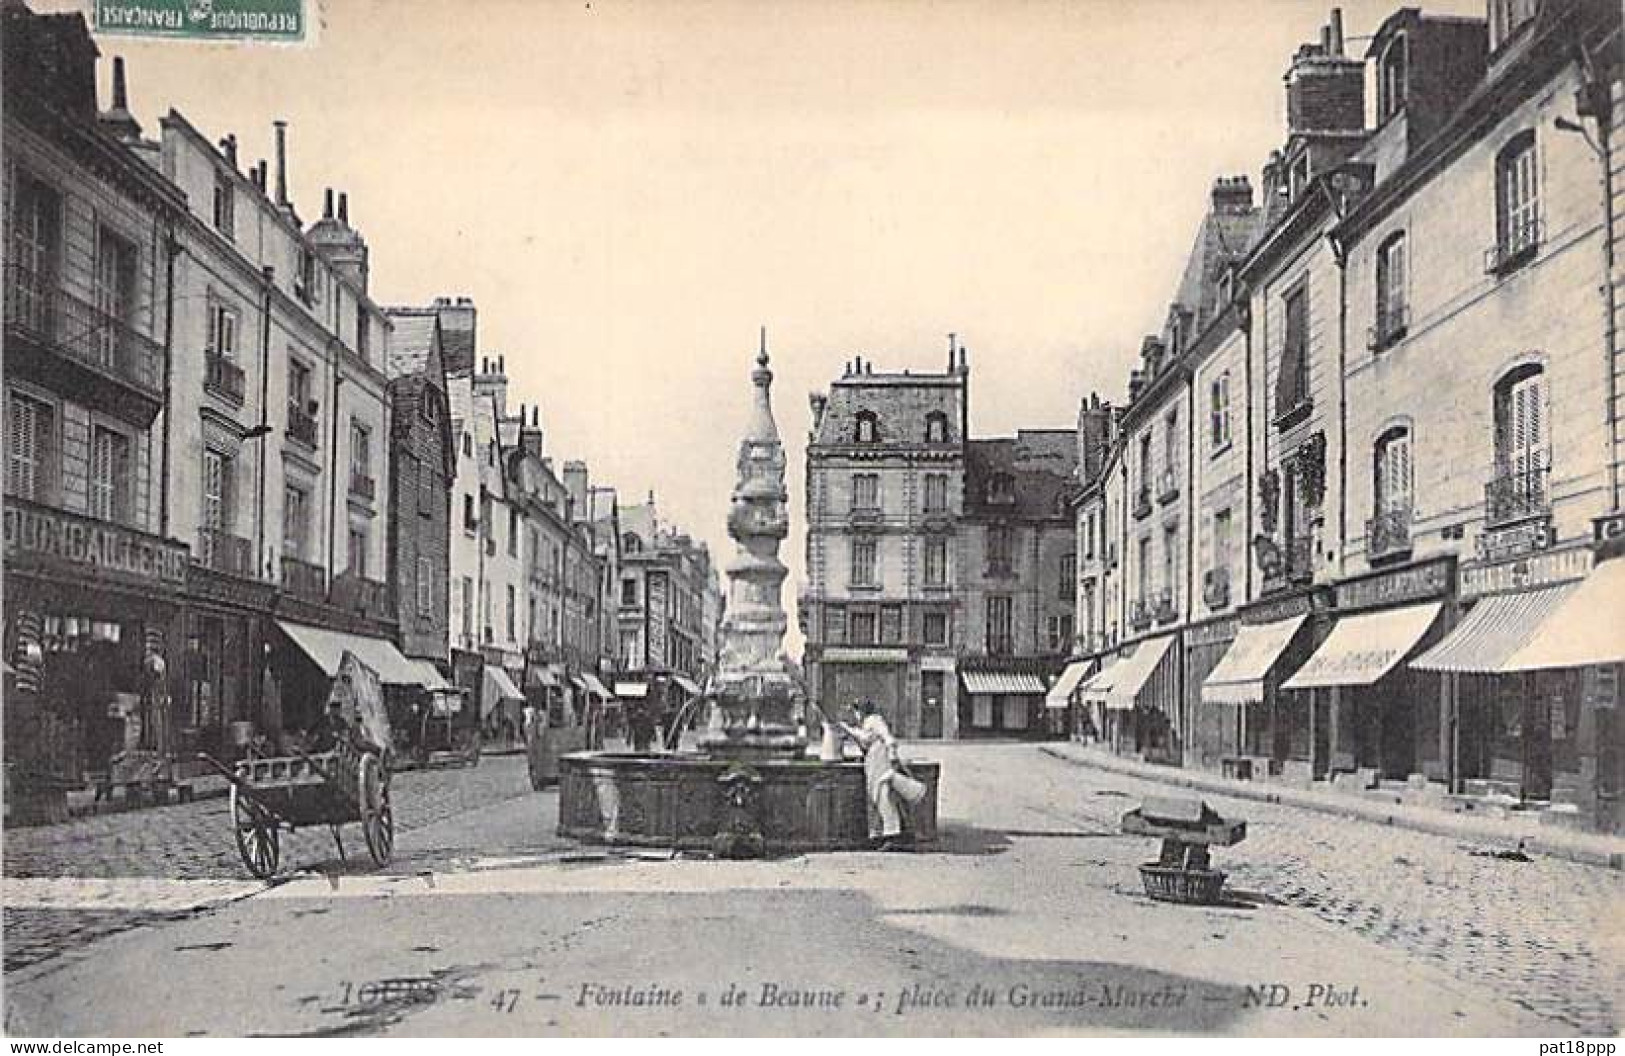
point(536, 417)
point(118, 118)
point(344, 208)
point(327, 204)
point(281, 161)
point(459, 337)
point(1325, 90)
point(228, 149)
point(1334, 34)
point(575, 485)
point(120, 99)
point(1232, 194)
point(951, 347)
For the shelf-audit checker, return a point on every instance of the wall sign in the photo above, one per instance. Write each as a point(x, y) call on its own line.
point(57, 536)
point(1413, 583)
point(1526, 573)
point(1514, 540)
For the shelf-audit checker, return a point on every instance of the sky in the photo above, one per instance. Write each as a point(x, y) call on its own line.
point(629, 190)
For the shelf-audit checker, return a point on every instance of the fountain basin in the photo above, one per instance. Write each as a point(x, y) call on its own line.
point(678, 801)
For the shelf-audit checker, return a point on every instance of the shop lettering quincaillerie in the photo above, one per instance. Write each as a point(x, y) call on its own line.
point(101, 546)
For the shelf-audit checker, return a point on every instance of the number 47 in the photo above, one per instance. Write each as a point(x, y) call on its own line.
point(505, 1000)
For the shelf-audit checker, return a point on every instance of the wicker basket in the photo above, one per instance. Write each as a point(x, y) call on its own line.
point(1170, 883)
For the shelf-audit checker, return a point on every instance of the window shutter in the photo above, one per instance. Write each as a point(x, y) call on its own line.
point(23, 443)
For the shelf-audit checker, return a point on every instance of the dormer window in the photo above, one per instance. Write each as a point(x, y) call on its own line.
point(868, 428)
point(1001, 489)
point(305, 287)
point(1391, 80)
point(936, 428)
point(1507, 17)
point(631, 544)
point(1298, 177)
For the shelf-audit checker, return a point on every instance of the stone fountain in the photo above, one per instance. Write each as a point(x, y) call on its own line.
point(751, 789)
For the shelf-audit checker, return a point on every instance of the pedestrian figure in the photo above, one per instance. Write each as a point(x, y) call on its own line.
point(332, 728)
point(880, 761)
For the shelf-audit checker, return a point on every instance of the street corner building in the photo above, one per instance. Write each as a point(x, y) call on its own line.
point(1357, 524)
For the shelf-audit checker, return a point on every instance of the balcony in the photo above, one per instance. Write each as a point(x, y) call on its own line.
point(865, 518)
point(1519, 494)
point(1216, 588)
point(223, 552)
point(1389, 329)
point(1142, 502)
point(1140, 614)
point(363, 486)
point(1516, 246)
point(304, 580)
point(72, 346)
point(224, 378)
point(1165, 611)
point(1388, 535)
point(364, 597)
point(302, 423)
point(1167, 485)
point(1287, 564)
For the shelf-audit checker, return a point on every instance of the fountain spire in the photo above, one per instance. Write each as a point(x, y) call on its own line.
point(755, 695)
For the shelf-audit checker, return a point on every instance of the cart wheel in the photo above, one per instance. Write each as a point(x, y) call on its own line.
point(257, 839)
point(377, 823)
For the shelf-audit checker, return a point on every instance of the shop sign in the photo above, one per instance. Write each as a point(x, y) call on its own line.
point(1515, 540)
point(34, 531)
point(1413, 583)
point(1215, 632)
point(1527, 573)
point(1602, 687)
point(1608, 533)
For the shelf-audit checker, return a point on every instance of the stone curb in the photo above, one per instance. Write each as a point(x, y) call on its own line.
point(1451, 825)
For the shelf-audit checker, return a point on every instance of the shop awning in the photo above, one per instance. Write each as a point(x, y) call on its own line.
point(1493, 630)
point(687, 685)
point(1238, 678)
point(326, 648)
point(596, 687)
point(430, 678)
point(1361, 649)
point(541, 675)
point(1097, 686)
point(632, 690)
point(499, 686)
point(1017, 683)
point(578, 682)
point(1132, 673)
point(1071, 677)
point(1584, 629)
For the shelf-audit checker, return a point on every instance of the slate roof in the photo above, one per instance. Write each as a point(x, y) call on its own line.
point(1041, 465)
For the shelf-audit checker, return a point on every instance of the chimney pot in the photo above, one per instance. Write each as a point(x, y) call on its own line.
point(1335, 33)
point(120, 97)
point(502, 364)
point(281, 161)
point(327, 204)
point(344, 207)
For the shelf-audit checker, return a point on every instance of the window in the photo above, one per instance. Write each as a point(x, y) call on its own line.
point(1089, 535)
point(217, 492)
point(1392, 469)
point(36, 214)
point(222, 338)
point(863, 562)
point(110, 475)
point(1522, 460)
point(936, 562)
point(1517, 202)
point(468, 445)
point(834, 625)
point(295, 521)
point(425, 587)
point(891, 624)
point(868, 428)
point(1170, 559)
point(305, 288)
point(863, 627)
point(936, 628)
point(1000, 547)
point(1001, 489)
point(1067, 587)
point(360, 450)
point(1391, 80)
point(30, 446)
point(866, 491)
point(299, 389)
point(1219, 412)
point(1222, 538)
point(513, 533)
point(356, 551)
point(511, 613)
point(468, 607)
point(224, 213)
point(999, 636)
point(936, 493)
point(1391, 278)
point(114, 291)
point(1509, 16)
point(1058, 633)
point(1170, 446)
point(363, 330)
point(424, 475)
point(1144, 570)
point(1292, 383)
point(936, 428)
point(471, 522)
point(1145, 465)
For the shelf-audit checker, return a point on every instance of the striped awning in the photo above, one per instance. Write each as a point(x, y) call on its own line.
point(1133, 673)
point(1584, 628)
point(542, 675)
point(595, 686)
point(632, 690)
point(1096, 686)
point(1361, 649)
point(1238, 678)
point(498, 688)
point(686, 684)
point(1493, 630)
point(1061, 692)
point(430, 678)
point(327, 648)
point(1017, 683)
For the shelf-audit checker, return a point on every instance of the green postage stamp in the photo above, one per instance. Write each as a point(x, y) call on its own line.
point(279, 21)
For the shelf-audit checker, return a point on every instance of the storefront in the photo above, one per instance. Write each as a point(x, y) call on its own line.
point(224, 694)
point(93, 625)
point(1062, 699)
point(1245, 688)
point(1138, 697)
point(1383, 720)
point(1211, 729)
point(850, 674)
point(1002, 703)
point(305, 659)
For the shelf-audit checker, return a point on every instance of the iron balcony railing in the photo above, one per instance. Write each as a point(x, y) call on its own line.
point(1517, 242)
point(302, 422)
point(303, 579)
point(1388, 534)
point(39, 309)
point(363, 486)
point(1517, 493)
point(1216, 587)
point(1165, 611)
point(224, 377)
point(364, 597)
point(1300, 560)
point(1140, 613)
point(1390, 327)
point(224, 552)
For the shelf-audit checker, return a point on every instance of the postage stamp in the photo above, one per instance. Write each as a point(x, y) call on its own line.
point(275, 21)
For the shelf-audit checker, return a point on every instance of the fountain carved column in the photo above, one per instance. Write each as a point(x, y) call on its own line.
point(754, 697)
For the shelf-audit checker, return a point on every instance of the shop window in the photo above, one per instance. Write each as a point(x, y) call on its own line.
point(30, 448)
